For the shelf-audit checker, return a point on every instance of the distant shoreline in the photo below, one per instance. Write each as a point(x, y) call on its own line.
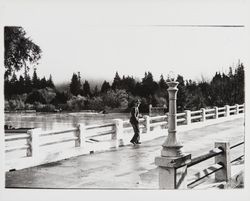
point(65, 111)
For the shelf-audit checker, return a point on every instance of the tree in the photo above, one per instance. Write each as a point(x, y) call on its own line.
point(149, 86)
point(240, 83)
point(35, 80)
point(43, 83)
point(128, 83)
point(86, 89)
point(116, 82)
point(162, 83)
point(19, 50)
point(105, 87)
point(96, 91)
point(50, 82)
point(75, 85)
point(13, 84)
point(21, 85)
point(27, 83)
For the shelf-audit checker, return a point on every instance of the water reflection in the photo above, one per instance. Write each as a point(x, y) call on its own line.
point(56, 121)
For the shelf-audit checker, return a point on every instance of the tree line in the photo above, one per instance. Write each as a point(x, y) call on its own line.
point(25, 92)
point(122, 91)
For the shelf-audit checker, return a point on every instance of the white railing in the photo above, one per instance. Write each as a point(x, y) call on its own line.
point(34, 142)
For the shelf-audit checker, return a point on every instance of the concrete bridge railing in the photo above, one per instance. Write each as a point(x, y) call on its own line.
point(26, 148)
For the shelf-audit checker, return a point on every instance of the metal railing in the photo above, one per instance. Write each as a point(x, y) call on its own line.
point(222, 164)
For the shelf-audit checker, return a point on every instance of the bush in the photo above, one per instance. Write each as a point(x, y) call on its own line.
point(160, 101)
point(44, 107)
point(116, 98)
point(76, 103)
point(36, 96)
point(48, 108)
point(15, 104)
point(29, 106)
point(43, 96)
point(96, 103)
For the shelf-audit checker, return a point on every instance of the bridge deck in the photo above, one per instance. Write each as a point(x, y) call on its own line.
point(126, 168)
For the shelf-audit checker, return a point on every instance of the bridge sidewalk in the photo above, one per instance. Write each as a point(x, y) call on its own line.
point(129, 167)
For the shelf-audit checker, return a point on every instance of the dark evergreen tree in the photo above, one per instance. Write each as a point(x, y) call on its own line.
point(75, 85)
point(13, 85)
point(96, 91)
point(116, 82)
point(149, 86)
point(240, 84)
point(105, 87)
point(21, 85)
point(128, 83)
point(162, 83)
point(27, 83)
point(7, 89)
point(35, 80)
point(86, 89)
point(50, 82)
point(43, 83)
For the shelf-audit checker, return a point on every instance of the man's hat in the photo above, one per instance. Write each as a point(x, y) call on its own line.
point(137, 101)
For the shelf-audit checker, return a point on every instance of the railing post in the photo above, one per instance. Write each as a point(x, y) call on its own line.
point(118, 132)
point(227, 110)
point(216, 116)
point(33, 142)
point(147, 123)
point(80, 141)
point(203, 114)
point(237, 109)
point(225, 160)
point(150, 110)
point(188, 117)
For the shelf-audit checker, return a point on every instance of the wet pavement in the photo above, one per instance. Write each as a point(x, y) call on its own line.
point(129, 167)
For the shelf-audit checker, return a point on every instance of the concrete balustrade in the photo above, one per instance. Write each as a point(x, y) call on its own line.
point(117, 136)
point(118, 132)
point(188, 117)
point(80, 141)
point(227, 110)
point(33, 142)
point(203, 114)
point(147, 123)
point(216, 112)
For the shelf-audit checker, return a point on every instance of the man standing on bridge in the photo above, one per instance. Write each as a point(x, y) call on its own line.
point(134, 120)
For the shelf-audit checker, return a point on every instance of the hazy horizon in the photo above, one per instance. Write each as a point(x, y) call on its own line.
point(99, 38)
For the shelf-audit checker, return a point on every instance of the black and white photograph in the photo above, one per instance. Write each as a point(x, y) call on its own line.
point(124, 96)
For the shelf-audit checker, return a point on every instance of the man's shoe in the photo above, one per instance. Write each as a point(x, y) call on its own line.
point(138, 142)
point(133, 142)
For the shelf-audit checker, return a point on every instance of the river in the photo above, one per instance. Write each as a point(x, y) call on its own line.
point(58, 121)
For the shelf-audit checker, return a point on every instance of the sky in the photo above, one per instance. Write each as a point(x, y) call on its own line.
point(98, 38)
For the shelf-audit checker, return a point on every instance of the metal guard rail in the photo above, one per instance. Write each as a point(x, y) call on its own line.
point(214, 168)
point(199, 159)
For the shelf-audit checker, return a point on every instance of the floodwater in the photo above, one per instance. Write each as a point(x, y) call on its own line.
point(58, 121)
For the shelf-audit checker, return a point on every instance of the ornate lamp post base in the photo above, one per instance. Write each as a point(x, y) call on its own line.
point(172, 162)
point(173, 171)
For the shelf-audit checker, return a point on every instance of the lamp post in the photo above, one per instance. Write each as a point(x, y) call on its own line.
point(172, 162)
